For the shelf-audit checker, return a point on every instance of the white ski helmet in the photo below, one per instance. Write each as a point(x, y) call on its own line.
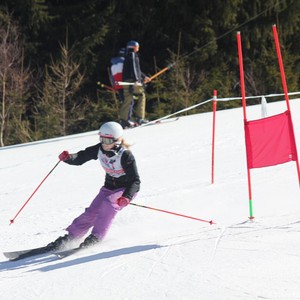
point(111, 130)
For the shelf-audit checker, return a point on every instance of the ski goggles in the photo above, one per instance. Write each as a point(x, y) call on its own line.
point(107, 140)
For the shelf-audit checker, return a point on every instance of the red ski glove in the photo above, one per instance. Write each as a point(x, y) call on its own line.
point(122, 202)
point(65, 155)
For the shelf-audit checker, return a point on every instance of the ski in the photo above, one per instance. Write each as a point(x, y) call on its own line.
point(157, 122)
point(66, 253)
point(14, 254)
point(150, 123)
point(17, 255)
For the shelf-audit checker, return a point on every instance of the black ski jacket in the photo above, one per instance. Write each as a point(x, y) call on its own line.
point(131, 68)
point(130, 181)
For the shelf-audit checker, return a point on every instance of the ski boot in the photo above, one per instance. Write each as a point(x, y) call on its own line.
point(89, 241)
point(141, 121)
point(127, 124)
point(58, 243)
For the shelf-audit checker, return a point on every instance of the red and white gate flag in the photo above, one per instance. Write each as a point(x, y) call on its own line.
point(270, 141)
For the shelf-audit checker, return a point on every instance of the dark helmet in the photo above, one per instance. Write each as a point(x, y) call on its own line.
point(132, 44)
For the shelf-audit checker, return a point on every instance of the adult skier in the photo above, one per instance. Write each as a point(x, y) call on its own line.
point(132, 73)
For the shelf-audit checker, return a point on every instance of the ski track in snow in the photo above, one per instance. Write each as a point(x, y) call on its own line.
point(218, 239)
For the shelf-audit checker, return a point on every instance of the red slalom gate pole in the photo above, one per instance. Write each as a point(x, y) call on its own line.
point(243, 92)
point(284, 85)
point(13, 220)
point(280, 62)
point(213, 137)
point(173, 213)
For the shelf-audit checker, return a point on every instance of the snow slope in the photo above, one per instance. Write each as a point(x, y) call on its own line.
point(149, 254)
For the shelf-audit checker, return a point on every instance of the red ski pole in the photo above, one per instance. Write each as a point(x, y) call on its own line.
point(12, 220)
point(173, 213)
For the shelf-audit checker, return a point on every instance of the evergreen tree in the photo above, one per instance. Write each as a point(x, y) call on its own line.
point(62, 81)
point(15, 83)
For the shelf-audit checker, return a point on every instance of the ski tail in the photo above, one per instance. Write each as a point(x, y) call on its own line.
point(17, 255)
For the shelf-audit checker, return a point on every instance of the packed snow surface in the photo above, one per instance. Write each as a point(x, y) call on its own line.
point(149, 254)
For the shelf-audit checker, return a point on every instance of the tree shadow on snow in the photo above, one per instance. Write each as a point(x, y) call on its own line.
point(94, 257)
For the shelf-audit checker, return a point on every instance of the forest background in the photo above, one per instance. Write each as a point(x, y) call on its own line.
point(55, 58)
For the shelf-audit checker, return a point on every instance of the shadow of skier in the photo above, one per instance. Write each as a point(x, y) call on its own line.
point(94, 257)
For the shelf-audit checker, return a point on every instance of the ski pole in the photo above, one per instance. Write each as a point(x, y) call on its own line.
point(107, 87)
point(12, 220)
point(161, 71)
point(173, 213)
point(150, 78)
point(128, 83)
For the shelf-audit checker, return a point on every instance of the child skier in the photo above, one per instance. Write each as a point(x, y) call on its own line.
point(122, 182)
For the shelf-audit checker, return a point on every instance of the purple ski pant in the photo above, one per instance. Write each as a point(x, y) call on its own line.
point(98, 215)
